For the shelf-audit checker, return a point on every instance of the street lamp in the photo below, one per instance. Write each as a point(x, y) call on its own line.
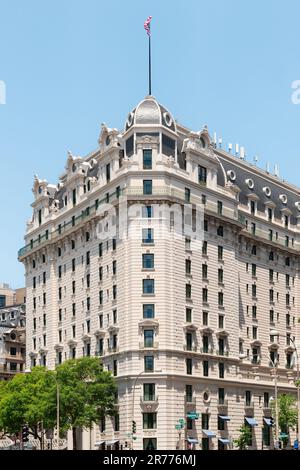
point(276, 333)
point(28, 371)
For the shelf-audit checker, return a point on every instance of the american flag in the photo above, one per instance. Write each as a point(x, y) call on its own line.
point(147, 25)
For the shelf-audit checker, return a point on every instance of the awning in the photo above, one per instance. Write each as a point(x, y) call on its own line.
point(251, 421)
point(225, 441)
point(99, 443)
point(191, 440)
point(268, 421)
point(224, 418)
point(209, 433)
point(111, 443)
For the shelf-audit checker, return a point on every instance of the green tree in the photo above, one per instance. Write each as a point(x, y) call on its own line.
point(87, 393)
point(287, 413)
point(244, 438)
point(25, 399)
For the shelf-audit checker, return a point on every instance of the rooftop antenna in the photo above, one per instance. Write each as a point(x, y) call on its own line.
point(242, 155)
point(220, 142)
point(255, 159)
point(276, 170)
point(268, 167)
point(229, 148)
point(237, 149)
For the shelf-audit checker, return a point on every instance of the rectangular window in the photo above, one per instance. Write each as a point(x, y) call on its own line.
point(188, 266)
point(205, 295)
point(74, 197)
point(188, 291)
point(149, 392)
point(188, 315)
point(187, 195)
point(205, 318)
point(221, 396)
point(73, 264)
point(248, 396)
point(204, 248)
point(148, 261)
point(149, 420)
point(114, 292)
point(221, 370)
point(189, 393)
point(148, 286)
point(220, 299)
point(189, 366)
point(220, 275)
point(147, 187)
point(148, 338)
point(202, 174)
point(87, 257)
point(220, 253)
point(147, 212)
point(149, 363)
point(148, 311)
point(147, 235)
point(147, 159)
point(108, 172)
point(204, 271)
point(205, 421)
point(189, 341)
point(220, 207)
point(101, 297)
point(205, 368)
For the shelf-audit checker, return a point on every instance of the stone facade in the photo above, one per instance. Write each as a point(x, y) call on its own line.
point(184, 324)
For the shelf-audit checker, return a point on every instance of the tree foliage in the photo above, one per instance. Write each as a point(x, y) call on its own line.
point(87, 393)
point(244, 438)
point(287, 412)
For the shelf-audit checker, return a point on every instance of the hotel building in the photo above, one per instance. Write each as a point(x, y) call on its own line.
point(187, 327)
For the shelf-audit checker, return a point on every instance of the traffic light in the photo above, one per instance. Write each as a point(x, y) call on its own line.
point(25, 433)
point(272, 421)
point(133, 427)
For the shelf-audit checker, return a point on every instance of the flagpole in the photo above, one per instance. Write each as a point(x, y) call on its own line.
point(150, 64)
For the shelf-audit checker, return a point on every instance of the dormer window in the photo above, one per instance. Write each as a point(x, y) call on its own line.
point(202, 174)
point(107, 140)
point(40, 217)
point(74, 167)
point(108, 173)
point(40, 189)
point(253, 207)
point(286, 221)
point(203, 143)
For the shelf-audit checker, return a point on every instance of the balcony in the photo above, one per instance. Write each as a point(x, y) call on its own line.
point(99, 352)
point(222, 406)
point(209, 350)
point(113, 349)
point(189, 348)
point(154, 345)
point(222, 352)
point(249, 408)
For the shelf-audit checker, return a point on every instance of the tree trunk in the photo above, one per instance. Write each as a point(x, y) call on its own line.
point(74, 438)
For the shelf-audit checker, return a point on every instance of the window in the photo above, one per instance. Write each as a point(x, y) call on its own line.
point(114, 267)
point(149, 420)
point(189, 423)
point(87, 257)
point(149, 443)
point(266, 400)
point(147, 235)
point(220, 275)
point(221, 321)
point(88, 303)
point(248, 398)
point(147, 186)
point(204, 248)
point(288, 319)
point(73, 264)
point(115, 368)
point(148, 338)
point(149, 363)
point(266, 435)
point(188, 315)
point(107, 172)
point(101, 297)
point(33, 284)
point(202, 174)
point(187, 195)
point(44, 298)
point(13, 351)
point(189, 341)
point(189, 393)
point(149, 392)
point(287, 280)
point(254, 332)
point(148, 286)
point(271, 256)
point(205, 295)
point(188, 291)
point(74, 197)
point(189, 365)
point(254, 312)
point(220, 207)
point(254, 270)
point(254, 290)
point(220, 299)
point(205, 368)
point(205, 341)
point(59, 315)
point(188, 266)
point(205, 225)
point(114, 292)
point(220, 253)
point(271, 295)
point(252, 207)
point(270, 214)
point(221, 424)
point(287, 261)
point(147, 159)
point(100, 273)
point(88, 281)
point(148, 261)
point(204, 318)
point(271, 316)
point(254, 250)
point(220, 231)
point(148, 311)
point(221, 370)
point(253, 228)
point(205, 421)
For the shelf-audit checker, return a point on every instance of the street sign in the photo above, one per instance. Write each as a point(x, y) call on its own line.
point(178, 427)
point(193, 415)
point(181, 421)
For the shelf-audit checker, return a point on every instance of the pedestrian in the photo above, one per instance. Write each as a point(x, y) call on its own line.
point(296, 444)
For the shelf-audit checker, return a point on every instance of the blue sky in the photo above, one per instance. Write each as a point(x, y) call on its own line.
point(69, 65)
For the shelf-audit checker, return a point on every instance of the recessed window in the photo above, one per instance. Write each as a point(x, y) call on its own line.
point(147, 159)
point(147, 187)
point(148, 286)
point(148, 261)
